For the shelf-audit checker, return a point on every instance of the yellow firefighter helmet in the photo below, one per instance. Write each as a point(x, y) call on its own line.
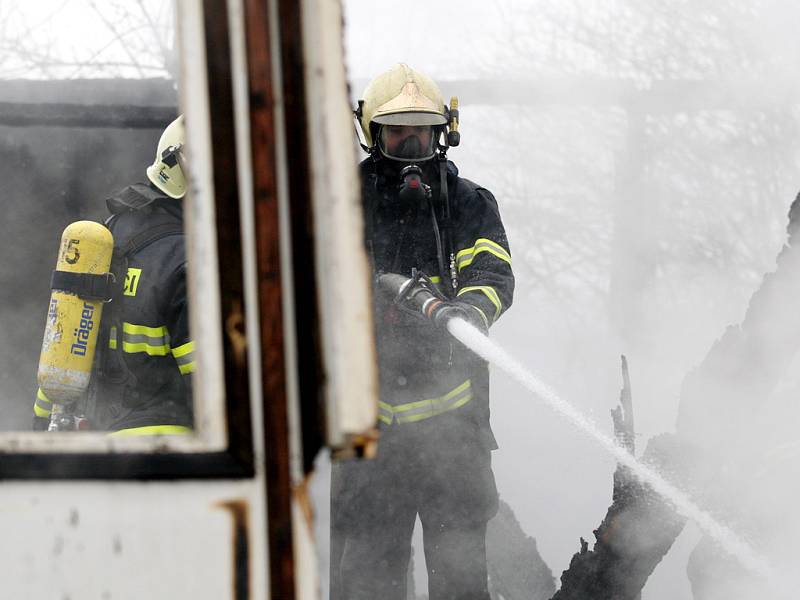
point(166, 172)
point(401, 97)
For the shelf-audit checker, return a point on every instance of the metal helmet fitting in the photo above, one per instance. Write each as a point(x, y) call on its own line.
point(166, 172)
point(402, 98)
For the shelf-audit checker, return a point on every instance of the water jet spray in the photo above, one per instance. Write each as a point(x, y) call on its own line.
point(481, 345)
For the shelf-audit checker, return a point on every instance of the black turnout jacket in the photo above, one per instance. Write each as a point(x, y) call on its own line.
point(144, 376)
point(424, 373)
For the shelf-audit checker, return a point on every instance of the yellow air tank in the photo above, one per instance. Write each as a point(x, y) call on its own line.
point(80, 285)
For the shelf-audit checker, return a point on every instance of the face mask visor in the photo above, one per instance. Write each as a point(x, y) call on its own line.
point(409, 137)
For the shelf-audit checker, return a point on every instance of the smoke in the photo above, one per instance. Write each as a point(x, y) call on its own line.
point(644, 157)
point(683, 505)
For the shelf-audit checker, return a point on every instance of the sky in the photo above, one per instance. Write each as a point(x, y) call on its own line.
point(68, 39)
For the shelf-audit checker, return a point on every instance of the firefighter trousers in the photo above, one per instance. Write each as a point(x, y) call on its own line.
point(443, 475)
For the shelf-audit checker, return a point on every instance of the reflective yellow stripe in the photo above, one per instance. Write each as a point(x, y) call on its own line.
point(483, 315)
point(154, 341)
point(421, 403)
point(145, 347)
point(436, 278)
point(465, 257)
point(154, 332)
point(187, 368)
point(140, 338)
point(419, 410)
point(385, 412)
point(42, 407)
point(183, 350)
point(152, 430)
point(435, 411)
point(184, 356)
point(490, 293)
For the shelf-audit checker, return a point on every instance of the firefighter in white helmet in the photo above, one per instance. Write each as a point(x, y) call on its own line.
point(141, 382)
point(426, 224)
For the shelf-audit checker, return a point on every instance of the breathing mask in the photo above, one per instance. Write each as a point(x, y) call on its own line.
point(407, 143)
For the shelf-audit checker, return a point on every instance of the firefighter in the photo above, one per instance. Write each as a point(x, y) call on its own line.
point(426, 223)
point(141, 382)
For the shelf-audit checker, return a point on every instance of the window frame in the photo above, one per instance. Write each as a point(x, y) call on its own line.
point(37, 456)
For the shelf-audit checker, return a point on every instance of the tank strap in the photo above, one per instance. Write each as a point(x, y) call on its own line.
point(447, 226)
point(133, 197)
point(91, 286)
point(146, 237)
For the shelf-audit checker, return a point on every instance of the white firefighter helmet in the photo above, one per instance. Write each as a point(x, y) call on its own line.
point(166, 172)
point(402, 98)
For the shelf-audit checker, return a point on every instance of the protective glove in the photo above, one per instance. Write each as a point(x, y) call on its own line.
point(419, 296)
point(443, 312)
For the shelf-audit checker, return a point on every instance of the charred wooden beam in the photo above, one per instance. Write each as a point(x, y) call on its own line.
point(638, 529)
point(622, 415)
